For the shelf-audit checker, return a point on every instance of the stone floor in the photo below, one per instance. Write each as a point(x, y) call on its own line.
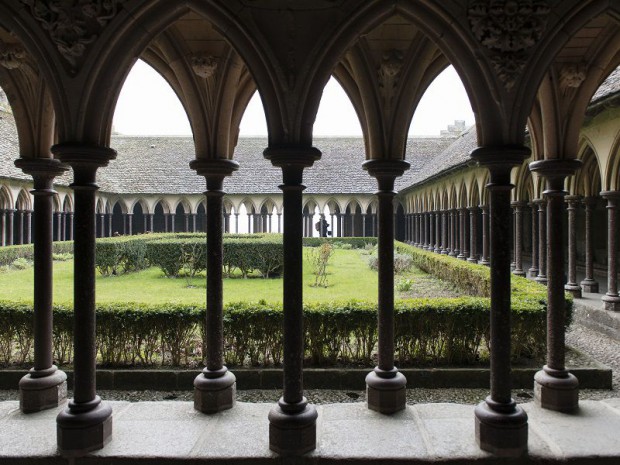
point(173, 432)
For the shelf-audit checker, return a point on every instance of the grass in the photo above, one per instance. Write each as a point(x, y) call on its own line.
point(348, 277)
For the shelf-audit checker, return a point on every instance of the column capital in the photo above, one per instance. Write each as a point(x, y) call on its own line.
point(518, 204)
point(214, 170)
point(573, 201)
point(555, 171)
point(484, 208)
point(292, 159)
point(589, 201)
point(610, 195)
point(84, 160)
point(472, 208)
point(42, 170)
point(385, 171)
point(500, 160)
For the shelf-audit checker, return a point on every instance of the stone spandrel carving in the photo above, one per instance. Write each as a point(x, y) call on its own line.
point(11, 56)
point(73, 24)
point(204, 66)
point(508, 29)
point(572, 76)
point(388, 74)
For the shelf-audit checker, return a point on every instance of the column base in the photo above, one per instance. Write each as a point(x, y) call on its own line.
point(502, 432)
point(556, 390)
point(445, 252)
point(386, 391)
point(214, 391)
point(541, 279)
point(292, 428)
point(611, 302)
point(589, 285)
point(484, 261)
point(573, 289)
point(461, 256)
point(453, 254)
point(80, 431)
point(42, 389)
point(518, 272)
point(437, 250)
point(533, 272)
point(472, 260)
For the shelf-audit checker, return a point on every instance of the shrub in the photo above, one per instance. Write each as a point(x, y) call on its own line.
point(62, 257)
point(319, 258)
point(404, 285)
point(21, 263)
point(9, 254)
point(402, 262)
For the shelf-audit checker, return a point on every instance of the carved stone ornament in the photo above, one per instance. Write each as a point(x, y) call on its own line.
point(204, 66)
point(73, 24)
point(508, 29)
point(11, 56)
point(388, 74)
point(572, 75)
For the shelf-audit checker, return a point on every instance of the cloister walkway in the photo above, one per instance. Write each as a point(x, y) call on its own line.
point(173, 432)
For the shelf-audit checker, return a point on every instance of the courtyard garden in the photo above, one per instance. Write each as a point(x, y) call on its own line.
point(150, 297)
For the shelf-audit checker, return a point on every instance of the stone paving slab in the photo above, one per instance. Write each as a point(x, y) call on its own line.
point(173, 432)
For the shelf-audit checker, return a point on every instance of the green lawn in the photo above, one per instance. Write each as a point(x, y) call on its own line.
point(349, 277)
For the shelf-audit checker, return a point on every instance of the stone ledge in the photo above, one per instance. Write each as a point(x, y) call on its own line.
point(594, 377)
point(174, 433)
point(590, 313)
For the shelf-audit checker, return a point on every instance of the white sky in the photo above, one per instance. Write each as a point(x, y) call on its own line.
point(148, 106)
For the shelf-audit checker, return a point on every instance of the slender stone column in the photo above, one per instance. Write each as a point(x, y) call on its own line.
point(28, 227)
point(151, 220)
point(462, 239)
point(124, 216)
point(444, 232)
point(589, 284)
point(20, 227)
point(292, 423)
point(58, 226)
point(45, 386)
point(10, 217)
point(194, 220)
point(385, 385)
point(473, 234)
point(455, 233)
point(611, 299)
point(86, 425)
point(64, 226)
point(215, 387)
point(172, 221)
point(437, 231)
point(418, 229)
point(484, 258)
point(102, 220)
point(364, 224)
point(518, 242)
point(501, 425)
point(573, 202)
point(70, 226)
point(186, 215)
point(533, 271)
point(110, 232)
point(130, 224)
point(3, 227)
point(554, 387)
point(279, 222)
point(542, 241)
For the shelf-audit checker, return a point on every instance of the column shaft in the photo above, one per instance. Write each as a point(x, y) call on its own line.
point(518, 242)
point(533, 271)
point(484, 259)
point(611, 299)
point(473, 234)
point(571, 286)
point(542, 241)
point(589, 284)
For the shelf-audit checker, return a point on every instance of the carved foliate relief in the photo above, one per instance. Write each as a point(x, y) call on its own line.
point(204, 66)
point(73, 24)
point(572, 76)
point(388, 74)
point(11, 56)
point(508, 29)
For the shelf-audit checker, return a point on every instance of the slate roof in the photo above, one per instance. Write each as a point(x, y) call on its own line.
point(158, 165)
point(9, 148)
point(610, 86)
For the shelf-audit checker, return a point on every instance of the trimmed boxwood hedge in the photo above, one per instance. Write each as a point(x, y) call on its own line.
point(427, 331)
point(174, 253)
point(10, 253)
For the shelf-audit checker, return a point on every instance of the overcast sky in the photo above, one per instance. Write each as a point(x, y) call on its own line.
point(148, 106)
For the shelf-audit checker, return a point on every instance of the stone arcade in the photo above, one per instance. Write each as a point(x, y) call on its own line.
point(534, 63)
